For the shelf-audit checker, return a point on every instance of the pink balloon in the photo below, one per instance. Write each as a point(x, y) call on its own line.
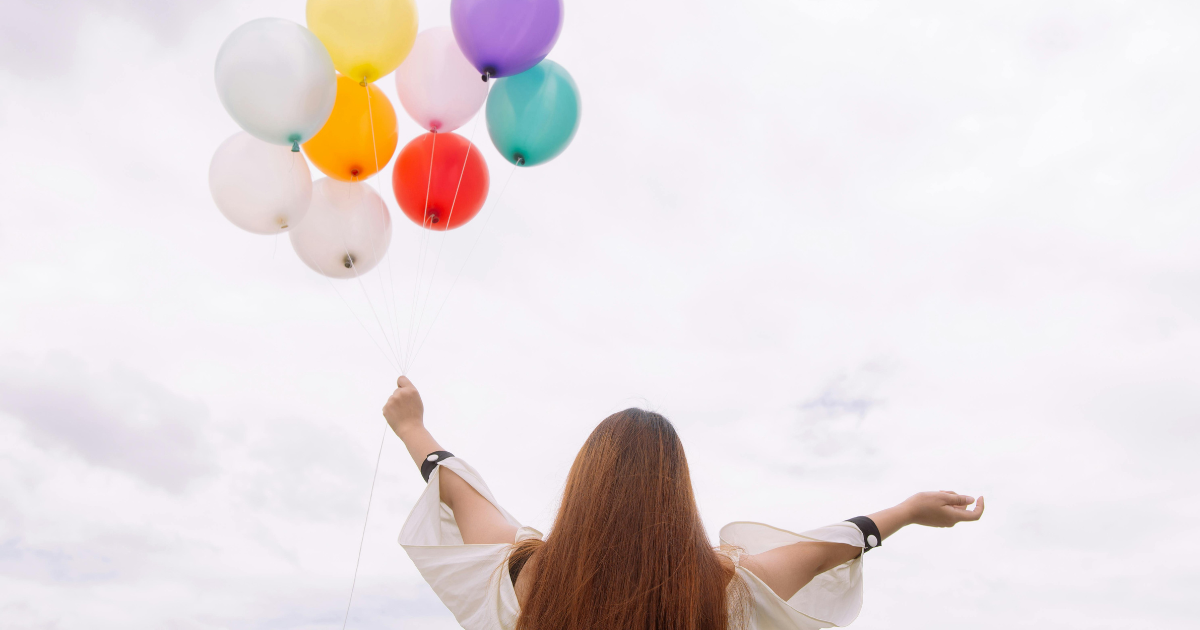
point(437, 86)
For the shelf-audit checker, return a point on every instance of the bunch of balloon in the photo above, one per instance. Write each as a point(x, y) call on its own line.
point(506, 37)
point(440, 179)
point(534, 108)
point(260, 187)
point(360, 136)
point(280, 82)
point(366, 38)
point(277, 82)
point(533, 116)
point(438, 87)
point(347, 230)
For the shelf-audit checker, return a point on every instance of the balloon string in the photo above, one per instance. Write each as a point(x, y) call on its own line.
point(428, 239)
point(395, 304)
point(363, 537)
point(520, 162)
point(392, 312)
point(379, 191)
point(478, 237)
point(462, 171)
point(370, 336)
point(386, 356)
point(379, 456)
point(349, 259)
point(382, 328)
point(413, 323)
point(442, 242)
point(367, 296)
point(423, 242)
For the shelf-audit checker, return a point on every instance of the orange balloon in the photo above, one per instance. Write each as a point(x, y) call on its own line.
point(342, 149)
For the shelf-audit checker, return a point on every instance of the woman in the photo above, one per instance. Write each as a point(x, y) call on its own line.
point(627, 550)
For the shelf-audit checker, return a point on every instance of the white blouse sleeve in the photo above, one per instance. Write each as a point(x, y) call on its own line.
point(471, 580)
point(833, 598)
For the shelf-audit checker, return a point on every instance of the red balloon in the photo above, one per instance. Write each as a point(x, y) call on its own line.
point(455, 192)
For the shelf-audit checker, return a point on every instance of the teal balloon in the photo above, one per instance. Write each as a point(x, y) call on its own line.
point(533, 116)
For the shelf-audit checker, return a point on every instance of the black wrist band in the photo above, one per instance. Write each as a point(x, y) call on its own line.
point(870, 532)
point(431, 462)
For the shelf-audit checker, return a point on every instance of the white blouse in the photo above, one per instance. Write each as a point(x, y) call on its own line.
point(473, 580)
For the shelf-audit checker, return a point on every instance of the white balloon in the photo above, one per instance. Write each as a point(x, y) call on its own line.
point(260, 187)
point(346, 231)
point(437, 86)
point(276, 79)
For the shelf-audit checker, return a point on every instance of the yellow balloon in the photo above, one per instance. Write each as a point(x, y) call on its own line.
point(359, 137)
point(366, 38)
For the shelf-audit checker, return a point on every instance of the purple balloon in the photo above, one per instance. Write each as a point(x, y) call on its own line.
point(506, 37)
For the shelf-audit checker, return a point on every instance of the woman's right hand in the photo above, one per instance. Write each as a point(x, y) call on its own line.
point(404, 410)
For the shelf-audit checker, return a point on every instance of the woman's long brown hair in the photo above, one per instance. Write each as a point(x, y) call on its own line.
point(627, 550)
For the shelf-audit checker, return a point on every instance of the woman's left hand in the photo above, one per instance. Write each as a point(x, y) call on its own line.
point(941, 509)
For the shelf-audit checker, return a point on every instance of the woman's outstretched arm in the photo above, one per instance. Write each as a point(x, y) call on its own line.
point(789, 568)
point(478, 520)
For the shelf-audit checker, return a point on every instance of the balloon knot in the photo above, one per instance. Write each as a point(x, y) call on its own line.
point(295, 147)
point(364, 81)
point(348, 261)
point(488, 73)
point(519, 160)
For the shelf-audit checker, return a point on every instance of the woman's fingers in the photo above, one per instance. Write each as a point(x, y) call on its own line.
point(954, 499)
point(951, 502)
point(403, 382)
point(977, 512)
point(962, 514)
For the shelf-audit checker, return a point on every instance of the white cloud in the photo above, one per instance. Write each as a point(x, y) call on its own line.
point(119, 420)
point(39, 38)
point(1064, 128)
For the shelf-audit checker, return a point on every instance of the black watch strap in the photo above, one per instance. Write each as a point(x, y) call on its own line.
point(870, 532)
point(431, 462)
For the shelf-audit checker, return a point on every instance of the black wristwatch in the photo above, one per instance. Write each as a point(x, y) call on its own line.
point(870, 532)
point(431, 462)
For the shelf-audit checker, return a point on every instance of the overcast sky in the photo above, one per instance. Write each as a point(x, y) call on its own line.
point(854, 250)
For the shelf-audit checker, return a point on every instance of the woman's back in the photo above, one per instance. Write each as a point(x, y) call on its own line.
point(627, 549)
point(523, 564)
